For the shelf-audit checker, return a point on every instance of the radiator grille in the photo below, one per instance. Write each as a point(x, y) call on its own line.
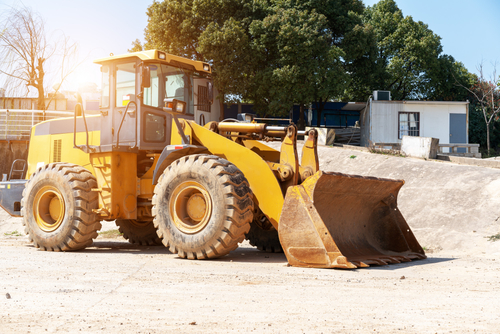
point(57, 150)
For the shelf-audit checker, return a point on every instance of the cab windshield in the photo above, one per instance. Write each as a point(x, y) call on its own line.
point(169, 82)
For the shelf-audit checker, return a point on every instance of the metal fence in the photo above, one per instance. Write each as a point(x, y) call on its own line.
point(16, 124)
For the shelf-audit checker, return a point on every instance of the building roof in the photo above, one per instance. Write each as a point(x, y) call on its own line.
point(420, 102)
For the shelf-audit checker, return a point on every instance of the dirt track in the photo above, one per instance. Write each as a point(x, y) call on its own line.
point(114, 287)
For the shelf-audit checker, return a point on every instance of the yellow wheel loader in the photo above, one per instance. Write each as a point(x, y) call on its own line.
point(150, 163)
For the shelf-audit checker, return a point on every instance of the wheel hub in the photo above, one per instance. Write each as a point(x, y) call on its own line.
point(48, 208)
point(190, 207)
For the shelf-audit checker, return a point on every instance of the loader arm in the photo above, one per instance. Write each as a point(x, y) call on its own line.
point(264, 185)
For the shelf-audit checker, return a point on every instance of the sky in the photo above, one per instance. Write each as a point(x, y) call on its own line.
point(470, 30)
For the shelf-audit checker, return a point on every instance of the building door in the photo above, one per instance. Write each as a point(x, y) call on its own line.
point(458, 130)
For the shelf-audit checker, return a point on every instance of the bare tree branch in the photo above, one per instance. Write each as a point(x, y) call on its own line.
point(487, 94)
point(26, 56)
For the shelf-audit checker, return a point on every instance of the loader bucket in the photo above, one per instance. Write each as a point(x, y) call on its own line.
point(334, 220)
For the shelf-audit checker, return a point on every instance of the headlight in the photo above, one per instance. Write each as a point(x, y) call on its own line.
point(162, 55)
point(206, 67)
point(174, 105)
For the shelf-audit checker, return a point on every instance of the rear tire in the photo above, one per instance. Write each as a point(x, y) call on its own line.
point(202, 206)
point(57, 207)
point(266, 241)
point(138, 232)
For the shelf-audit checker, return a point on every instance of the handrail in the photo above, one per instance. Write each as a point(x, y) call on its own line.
point(86, 129)
point(121, 123)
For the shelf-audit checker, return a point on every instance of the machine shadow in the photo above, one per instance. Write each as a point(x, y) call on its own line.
point(243, 254)
point(428, 260)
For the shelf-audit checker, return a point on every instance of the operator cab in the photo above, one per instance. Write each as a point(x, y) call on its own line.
point(134, 87)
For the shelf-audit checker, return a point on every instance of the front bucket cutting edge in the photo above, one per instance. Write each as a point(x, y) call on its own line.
point(334, 220)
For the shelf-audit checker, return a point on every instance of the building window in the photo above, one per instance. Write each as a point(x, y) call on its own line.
point(409, 124)
point(203, 102)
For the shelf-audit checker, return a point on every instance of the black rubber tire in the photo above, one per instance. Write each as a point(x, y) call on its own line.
point(78, 223)
point(230, 197)
point(138, 232)
point(265, 240)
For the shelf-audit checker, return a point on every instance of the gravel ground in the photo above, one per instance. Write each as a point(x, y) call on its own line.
point(115, 287)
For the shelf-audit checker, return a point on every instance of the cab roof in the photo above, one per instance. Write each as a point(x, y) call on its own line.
point(162, 57)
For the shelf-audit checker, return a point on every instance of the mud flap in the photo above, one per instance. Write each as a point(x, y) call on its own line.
point(334, 220)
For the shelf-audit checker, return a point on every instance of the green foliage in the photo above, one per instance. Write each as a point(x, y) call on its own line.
point(297, 59)
point(13, 234)
point(495, 237)
point(136, 46)
point(408, 50)
point(484, 125)
point(273, 53)
point(276, 53)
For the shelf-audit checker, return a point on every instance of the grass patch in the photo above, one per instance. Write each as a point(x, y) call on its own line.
point(495, 237)
point(13, 234)
point(110, 234)
point(352, 157)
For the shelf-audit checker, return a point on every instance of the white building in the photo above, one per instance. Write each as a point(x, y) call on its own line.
point(388, 121)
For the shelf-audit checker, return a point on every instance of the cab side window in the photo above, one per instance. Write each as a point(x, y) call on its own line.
point(125, 84)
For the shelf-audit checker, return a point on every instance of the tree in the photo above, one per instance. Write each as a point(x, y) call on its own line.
point(299, 62)
point(357, 48)
point(136, 46)
point(407, 51)
point(179, 26)
point(25, 54)
point(446, 79)
point(272, 53)
point(487, 96)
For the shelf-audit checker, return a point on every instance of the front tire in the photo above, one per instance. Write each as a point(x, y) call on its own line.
point(203, 207)
point(57, 207)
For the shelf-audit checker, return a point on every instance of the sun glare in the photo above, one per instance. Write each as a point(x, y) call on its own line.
point(85, 78)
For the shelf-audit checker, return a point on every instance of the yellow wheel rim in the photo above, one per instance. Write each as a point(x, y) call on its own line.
point(190, 207)
point(48, 208)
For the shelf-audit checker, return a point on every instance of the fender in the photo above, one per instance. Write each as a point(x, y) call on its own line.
point(173, 152)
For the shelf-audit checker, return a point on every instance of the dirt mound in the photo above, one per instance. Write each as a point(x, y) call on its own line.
point(448, 206)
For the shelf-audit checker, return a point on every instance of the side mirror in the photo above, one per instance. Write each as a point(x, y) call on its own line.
point(210, 92)
point(146, 77)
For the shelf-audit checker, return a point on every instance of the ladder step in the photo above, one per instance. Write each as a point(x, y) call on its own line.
point(101, 189)
point(102, 166)
point(101, 211)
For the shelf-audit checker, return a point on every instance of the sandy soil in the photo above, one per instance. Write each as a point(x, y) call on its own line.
point(115, 287)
